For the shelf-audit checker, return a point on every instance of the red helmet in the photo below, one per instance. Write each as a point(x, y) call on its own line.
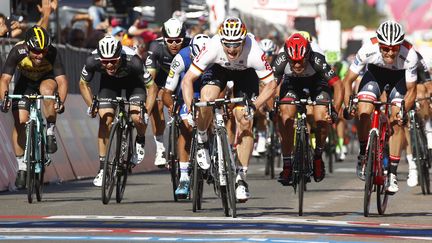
point(297, 47)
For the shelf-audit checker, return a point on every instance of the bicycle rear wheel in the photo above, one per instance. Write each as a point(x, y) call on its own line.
point(229, 172)
point(172, 156)
point(30, 160)
point(369, 176)
point(126, 152)
point(110, 165)
point(382, 195)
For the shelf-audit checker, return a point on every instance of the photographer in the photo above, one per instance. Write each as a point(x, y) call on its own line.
point(10, 27)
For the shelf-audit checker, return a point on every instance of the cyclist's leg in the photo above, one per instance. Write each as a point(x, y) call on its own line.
point(286, 128)
point(213, 82)
point(396, 96)
point(138, 94)
point(369, 89)
point(20, 111)
point(340, 131)
point(106, 114)
point(48, 87)
point(261, 127)
point(428, 122)
point(412, 179)
point(158, 125)
point(183, 148)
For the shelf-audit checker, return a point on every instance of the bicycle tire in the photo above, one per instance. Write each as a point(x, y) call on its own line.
point(124, 162)
point(30, 157)
point(271, 151)
point(382, 195)
point(302, 159)
point(424, 161)
point(172, 157)
point(230, 172)
point(110, 164)
point(369, 177)
point(39, 177)
point(417, 154)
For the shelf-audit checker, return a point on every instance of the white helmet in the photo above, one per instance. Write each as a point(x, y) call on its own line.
point(232, 30)
point(268, 46)
point(198, 43)
point(173, 28)
point(109, 47)
point(390, 33)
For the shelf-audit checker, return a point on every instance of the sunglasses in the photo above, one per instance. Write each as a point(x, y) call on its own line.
point(37, 52)
point(386, 48)
point(108, 61)
point(174, 40)
point(231, 44)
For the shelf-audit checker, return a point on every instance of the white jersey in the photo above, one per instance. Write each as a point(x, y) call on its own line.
point(177, 67)
point(370, 53)
point(251, 57)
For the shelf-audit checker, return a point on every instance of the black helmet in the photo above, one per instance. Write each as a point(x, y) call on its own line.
point(37, 38)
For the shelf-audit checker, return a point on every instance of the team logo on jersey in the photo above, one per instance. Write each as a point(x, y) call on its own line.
point(84, 71)
point(148, 62)
point(175, 65)
point(171, 73)
point(22, 51)
point(280, 59)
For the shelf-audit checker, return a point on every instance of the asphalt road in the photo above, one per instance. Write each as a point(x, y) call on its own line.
point(333, 212)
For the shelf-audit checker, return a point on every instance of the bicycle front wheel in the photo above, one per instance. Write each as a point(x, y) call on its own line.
point(301, 160)
point(172, 156)
point(230, 172)
point(369, 176)
point(110, 164)
point(30, 160)
point(39, 177)
point(197, 177)
point(124, 162)
point(423, 170)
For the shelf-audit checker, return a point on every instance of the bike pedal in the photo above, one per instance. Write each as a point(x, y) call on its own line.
point(241, 200)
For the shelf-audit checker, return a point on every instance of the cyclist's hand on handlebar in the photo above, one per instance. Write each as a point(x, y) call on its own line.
point(59, 108)
point(190, 119)
point(91, 113)
point(402, 119)
point(5, 105)
point(145, 118)
point(347, 114)
point(250, 111)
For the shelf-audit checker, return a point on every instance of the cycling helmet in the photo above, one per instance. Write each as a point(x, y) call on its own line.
point(232, 30)
point(109, 47)
point(37, 38)
point(390, 33)
point(198, 43)
point(268, 46)
point(173, 28)
point(297, 47)
point(306, 35)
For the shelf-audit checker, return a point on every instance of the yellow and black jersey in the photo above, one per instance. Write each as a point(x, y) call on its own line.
point(18, 59)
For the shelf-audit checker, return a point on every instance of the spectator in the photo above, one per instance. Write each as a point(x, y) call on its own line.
point(77, 38)
point(97, 14)
point(9, 27)
point(139, 26)
point(118, 32)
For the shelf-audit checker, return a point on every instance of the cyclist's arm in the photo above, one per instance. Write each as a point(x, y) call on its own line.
point(166, 98)
point(410, 95)
point(187, 86)
point(152, 91)
point(62, 87)
point(347, 84)
point(4, 84)
point(267, 92)
point(87, 74)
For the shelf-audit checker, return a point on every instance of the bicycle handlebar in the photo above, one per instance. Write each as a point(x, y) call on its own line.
point(8, 96)
point(220, 102)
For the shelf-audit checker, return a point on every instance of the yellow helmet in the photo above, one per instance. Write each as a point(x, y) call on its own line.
point(306, 35)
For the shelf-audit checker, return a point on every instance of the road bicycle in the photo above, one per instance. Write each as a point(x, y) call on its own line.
point(120, 147)
point(35, 155)
point(376, 174)
point(223, 167)
point(420, 150)
point(302, 168)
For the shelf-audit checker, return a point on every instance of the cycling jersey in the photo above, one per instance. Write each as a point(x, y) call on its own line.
point(159, 58)
point(370, 54)
point(423, 74)
point(131, 66)
point(131, 76)
point(315, 64)
point(50, 67)
point(251, 57)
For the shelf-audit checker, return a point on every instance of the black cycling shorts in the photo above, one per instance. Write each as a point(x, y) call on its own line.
point(303, 87)
point(26, 86)
point(112, 87)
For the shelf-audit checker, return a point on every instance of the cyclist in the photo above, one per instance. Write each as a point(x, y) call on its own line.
point(304, 68)
point(120, 68)
point(391, 60)
point(269, 48)
point(234, 55)
point(160, 56)
point(40, 71)
point(179, 66)
point(423, 110)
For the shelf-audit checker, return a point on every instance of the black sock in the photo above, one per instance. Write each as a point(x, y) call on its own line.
point(363, 145)
point(394, 162)
point(140, 140)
